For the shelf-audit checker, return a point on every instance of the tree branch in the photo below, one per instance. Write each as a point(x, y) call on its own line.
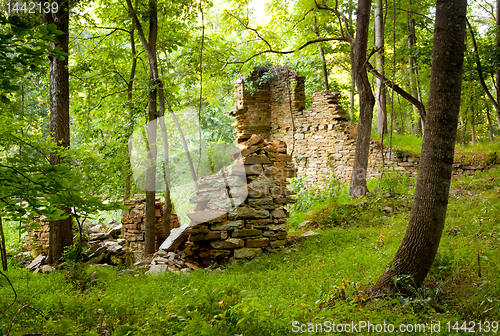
point(417, 103)
point(478, 67)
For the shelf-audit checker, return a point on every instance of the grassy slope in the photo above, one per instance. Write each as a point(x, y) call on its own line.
point(322, 278)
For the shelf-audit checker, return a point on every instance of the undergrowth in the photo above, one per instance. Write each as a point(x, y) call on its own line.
point(323, 278)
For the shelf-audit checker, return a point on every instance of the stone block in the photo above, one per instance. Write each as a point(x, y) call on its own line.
point(257, 192)
point(212, 183)
point(229, 225)
point(262, 203)
point(214, 254)
point(277, 227)
point(277, 243)
point(230, 243)
point(205, 195)
point(247, 213)
point(279, 213)
point(255, 159)
point(257, 242)
point(213, 235)
point(247, 253)
point(246, 233)
point(205, 216)
point(263, 182)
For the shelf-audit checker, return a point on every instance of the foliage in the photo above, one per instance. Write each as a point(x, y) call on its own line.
point(324, 278)
point(23, 50)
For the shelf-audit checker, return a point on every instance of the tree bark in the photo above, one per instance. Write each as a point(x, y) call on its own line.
point(421, 241)
point(381, 91)
point(490, 125)
point(167, 211)
point(366, 102)
point(3, 248)
point(130, 88)
point(412, 63)
point(472, 126)
point(60, 232)
point(497, 76)
point(353, 75)
point(150, 48)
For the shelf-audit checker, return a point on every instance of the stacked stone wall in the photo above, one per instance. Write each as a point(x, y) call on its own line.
point(134, 226)
point(241, 209)
point(320, 140)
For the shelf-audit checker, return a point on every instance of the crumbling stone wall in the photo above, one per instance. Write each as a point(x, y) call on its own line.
point(134, 225)
point(241, 209)
point(320, 140)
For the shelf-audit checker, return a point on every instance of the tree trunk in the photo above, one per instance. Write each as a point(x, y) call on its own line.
point(366, 102)
point(185, 145)
point(60, 232)
point(490, 125)
point(463, 125)
point(381, 91)
point(130, 88)
point(472, 126)
point(421, 241)
point(3, 248)
point(167, 211)
point(412, 63)
point(150, 48)
point(497, 40)
point(353, 75)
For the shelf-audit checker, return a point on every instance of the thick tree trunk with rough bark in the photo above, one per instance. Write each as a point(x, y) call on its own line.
point(498, 70)
point(366, 101)
point(381, 91)
point(60, 232)
point(421, 241)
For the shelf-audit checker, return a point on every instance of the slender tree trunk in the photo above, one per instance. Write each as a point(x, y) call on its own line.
point(353, 75)
point(130, 88)
point(322, 57)
point(463, 125)
point(412, 63)
point(185, 145)
point(60, 232)
point(490, 125)
point(3, 248)
point(472, 126)
point(381, 91)
point(167, 211)
point(421, 241)
point(366, 102)
point(150, 48)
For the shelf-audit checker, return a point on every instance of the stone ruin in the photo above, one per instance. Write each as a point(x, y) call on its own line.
point(257, 186)
point(241, 209)
point(133, 225)
point(320, 139)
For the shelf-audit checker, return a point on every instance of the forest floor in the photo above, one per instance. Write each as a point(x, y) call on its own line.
point(318, 281)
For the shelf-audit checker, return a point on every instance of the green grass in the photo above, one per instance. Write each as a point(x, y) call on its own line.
point(483, 153)
point(405, 143)
point(321, 278)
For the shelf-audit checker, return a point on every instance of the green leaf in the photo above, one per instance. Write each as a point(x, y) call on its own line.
point(52, 27)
